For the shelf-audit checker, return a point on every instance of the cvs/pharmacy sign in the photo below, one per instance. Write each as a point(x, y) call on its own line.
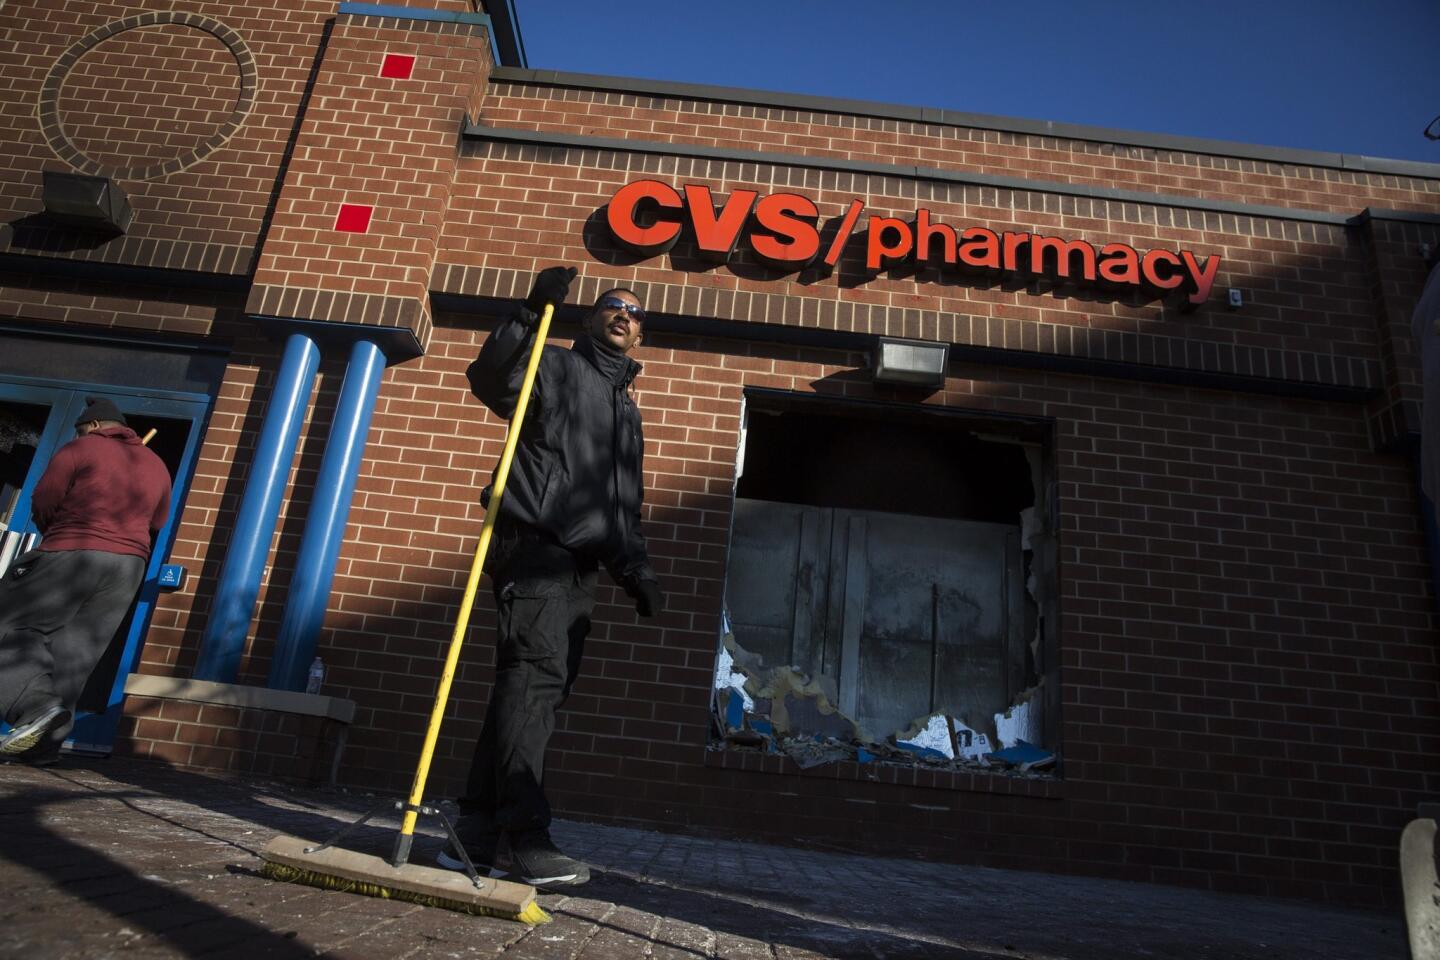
point(648, 217)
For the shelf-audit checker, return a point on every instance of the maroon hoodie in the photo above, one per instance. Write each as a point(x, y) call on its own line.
point(103, 491)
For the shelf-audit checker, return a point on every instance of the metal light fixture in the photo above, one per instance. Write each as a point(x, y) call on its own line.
point(915, 363)
point(96, 203)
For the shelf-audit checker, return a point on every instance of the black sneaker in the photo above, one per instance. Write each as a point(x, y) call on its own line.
point(26, 736)
point(534, 860)
point(482, 845)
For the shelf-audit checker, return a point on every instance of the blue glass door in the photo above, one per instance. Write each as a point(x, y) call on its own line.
point(31, 429)
point(38, 417)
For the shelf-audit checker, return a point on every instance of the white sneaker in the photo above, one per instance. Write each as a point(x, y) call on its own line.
point(27, 735)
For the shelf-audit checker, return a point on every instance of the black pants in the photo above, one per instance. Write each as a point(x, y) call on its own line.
point(58, 612)
point(544, 618)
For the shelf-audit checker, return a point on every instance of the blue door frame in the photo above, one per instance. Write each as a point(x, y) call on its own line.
point(66, 400)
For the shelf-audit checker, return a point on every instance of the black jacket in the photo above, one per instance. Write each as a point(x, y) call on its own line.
point(577, 474)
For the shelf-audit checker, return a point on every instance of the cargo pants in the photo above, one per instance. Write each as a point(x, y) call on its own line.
point(544, 600)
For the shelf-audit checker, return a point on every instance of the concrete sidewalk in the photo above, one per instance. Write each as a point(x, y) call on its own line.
point(129, 859)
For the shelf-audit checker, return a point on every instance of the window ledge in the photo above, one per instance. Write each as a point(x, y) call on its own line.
point(237, 695)
point(753, 761)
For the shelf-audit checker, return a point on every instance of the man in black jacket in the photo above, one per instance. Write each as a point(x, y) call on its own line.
point(571, 505)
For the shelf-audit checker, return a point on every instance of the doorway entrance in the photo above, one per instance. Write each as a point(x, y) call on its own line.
point(37, 417)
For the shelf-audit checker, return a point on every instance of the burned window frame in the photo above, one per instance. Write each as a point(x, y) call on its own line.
point(751, 709)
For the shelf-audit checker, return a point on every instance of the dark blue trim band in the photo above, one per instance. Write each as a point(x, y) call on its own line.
point(412, 13)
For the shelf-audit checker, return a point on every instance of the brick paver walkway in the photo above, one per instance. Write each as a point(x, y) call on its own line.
point(114, 858)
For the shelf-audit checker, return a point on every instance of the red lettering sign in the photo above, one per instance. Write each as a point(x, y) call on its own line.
point(645, 200)
point(716, 236)
point(783, 231)
point(792, 240)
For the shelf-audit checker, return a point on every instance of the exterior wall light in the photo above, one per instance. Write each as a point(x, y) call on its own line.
point(914, 363)
point(96, 203)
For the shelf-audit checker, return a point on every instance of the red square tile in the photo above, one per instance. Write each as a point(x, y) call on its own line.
point(397, 66)
point(354, 217)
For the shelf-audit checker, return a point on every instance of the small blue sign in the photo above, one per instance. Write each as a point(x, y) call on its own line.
point(172, 576)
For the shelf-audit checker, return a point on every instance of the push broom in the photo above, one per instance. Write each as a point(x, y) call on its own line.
point(332, 868)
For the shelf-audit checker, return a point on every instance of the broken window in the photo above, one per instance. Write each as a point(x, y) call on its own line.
point(889, 590)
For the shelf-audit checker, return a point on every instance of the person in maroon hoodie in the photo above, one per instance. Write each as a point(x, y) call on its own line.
point(98, 506)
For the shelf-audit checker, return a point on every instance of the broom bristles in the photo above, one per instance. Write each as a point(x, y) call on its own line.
point(532, 915)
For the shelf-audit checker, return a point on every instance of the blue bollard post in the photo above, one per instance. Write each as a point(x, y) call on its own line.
point(239, 584)
point(325, 526)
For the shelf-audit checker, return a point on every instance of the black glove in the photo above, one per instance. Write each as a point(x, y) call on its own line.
point(648, 598)
point(552, 285)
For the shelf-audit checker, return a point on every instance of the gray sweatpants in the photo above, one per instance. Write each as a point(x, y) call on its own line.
point(58, 612)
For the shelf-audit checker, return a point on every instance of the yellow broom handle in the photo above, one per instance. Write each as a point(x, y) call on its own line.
point(512, 437)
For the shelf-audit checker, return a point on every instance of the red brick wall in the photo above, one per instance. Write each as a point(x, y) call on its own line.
point(1248, 662)
point(212, 736)
point(1307, 315)
point(149, 95)
point(1396, 276)
point(124, 306)
point(211, 211)
point(383, 143)
point(778, 129)
point(1248, 670)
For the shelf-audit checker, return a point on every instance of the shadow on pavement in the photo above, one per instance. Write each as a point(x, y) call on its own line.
point(729, 914)
point(194, 926)
point(84, 872)
point(164, 818)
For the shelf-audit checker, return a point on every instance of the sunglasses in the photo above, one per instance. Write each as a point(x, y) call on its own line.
point(636, 311)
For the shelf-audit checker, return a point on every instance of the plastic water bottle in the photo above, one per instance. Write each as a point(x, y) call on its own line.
point(315, 677)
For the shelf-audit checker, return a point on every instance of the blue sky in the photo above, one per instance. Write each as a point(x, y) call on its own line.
point(1350, 76)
